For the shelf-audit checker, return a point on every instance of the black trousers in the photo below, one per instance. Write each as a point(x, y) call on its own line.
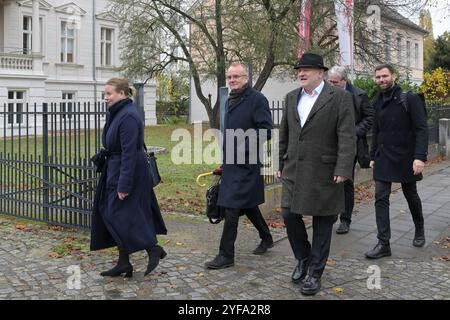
point(382, 193)
point(349, 194)
point(230, 228)
point(316, 252)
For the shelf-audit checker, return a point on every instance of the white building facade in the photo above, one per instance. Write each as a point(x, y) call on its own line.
point(59, 51)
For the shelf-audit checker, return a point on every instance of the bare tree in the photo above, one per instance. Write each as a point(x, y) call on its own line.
point(206, 35)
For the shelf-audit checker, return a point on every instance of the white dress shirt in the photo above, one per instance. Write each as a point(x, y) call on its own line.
point(307, 101)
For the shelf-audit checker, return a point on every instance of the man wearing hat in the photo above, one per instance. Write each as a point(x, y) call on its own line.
point(317, 150)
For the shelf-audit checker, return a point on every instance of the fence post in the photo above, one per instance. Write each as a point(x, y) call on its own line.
point(444, 137)
point(46, 171)
point(139, 100)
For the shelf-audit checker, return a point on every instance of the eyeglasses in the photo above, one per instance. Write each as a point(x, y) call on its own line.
point(235, 77)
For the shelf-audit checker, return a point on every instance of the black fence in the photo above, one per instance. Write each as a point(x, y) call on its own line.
point(45, 171)
point(434, 114)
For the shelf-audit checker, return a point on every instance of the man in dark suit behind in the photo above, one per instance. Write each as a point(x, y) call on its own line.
point(316, 154)
point(398, 154)
point(337, 77)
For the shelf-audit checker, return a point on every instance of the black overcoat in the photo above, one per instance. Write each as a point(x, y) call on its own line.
point(399, 137)
point(242, 183)
point(364, 114)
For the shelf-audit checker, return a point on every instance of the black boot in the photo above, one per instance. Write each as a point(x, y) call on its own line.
point(123, 266)
point(343, 228)
point(155, 253)
point(419, 237)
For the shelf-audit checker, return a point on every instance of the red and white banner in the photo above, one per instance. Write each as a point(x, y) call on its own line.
point(344, 19)
point(303, 27)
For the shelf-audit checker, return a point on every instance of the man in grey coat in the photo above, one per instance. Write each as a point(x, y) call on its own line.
point(317, 150)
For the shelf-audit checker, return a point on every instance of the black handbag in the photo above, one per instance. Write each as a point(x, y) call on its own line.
point(213, 211)
point(154, 172)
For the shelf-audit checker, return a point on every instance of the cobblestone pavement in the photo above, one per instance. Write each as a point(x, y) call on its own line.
point(36, 260)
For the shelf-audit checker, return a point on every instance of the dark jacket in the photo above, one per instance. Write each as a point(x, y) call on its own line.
point(399, 137)
point(242, 184)
point(132, 223)
point(310, 156)
point(364, 114)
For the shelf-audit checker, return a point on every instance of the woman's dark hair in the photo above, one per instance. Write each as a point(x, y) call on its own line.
point(121, 84)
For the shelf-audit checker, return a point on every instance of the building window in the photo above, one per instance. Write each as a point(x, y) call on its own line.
point(387, 47)
point(106, 47)
point(408, 53)
point(27, 34)
point(26, 41)
point(67, 42)
point(67, 104)
point(16, 101)
point(399, 50)
point(416, 54)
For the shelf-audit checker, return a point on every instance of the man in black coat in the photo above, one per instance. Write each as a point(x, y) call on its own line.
point(399, 152)
point(337, 76)
point(247, 124)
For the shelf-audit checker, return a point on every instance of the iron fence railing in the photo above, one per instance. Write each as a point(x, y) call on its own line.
point(45, 171)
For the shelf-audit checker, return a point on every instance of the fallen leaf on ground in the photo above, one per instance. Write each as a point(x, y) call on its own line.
point(22, 227)
point(331, 262)
point(441, 258)
point(53, 255)
point(338, 290)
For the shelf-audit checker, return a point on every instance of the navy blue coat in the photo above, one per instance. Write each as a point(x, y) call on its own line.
point(242, 184)
point(133, 223)
point(399, 137)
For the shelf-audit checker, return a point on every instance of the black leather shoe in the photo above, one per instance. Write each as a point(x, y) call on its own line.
point(263, 246)
point(343, 228)
point(300, 271)
point(419, 237)
point(311, 286)
point(220, 262)
point(379, 251)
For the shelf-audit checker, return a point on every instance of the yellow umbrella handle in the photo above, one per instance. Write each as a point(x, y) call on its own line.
point(201, 176)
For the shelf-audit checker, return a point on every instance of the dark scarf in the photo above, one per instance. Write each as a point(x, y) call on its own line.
point(235, 95)
point(387, 94)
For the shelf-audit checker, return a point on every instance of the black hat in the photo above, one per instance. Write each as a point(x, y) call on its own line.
point(311, 60)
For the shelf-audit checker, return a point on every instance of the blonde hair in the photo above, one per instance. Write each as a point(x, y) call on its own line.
point(121, 84)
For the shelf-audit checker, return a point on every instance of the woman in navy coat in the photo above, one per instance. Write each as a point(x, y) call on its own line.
point(126, 212)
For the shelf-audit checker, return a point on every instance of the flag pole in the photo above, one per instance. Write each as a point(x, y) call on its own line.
point(353, 44)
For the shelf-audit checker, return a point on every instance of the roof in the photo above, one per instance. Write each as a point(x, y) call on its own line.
point(393, 15)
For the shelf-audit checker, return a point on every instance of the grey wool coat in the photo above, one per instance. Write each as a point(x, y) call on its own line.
point(310, 156)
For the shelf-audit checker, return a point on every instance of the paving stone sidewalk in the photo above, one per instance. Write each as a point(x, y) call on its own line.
point(30, 269)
